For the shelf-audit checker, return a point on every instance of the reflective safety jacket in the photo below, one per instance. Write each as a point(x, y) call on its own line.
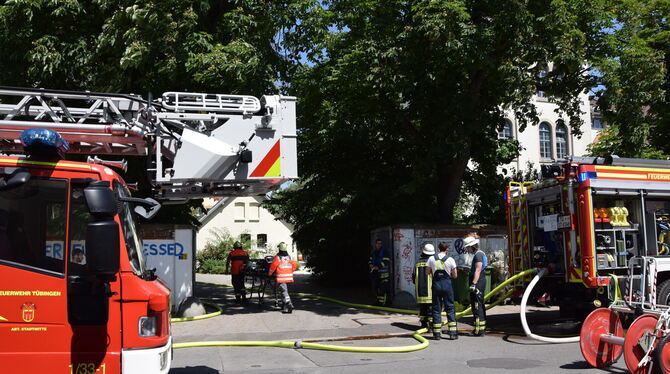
point(284, 267)
point(378, 258)
point(238, 258)
point(423, 283)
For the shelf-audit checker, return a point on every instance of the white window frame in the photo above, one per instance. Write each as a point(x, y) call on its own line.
point(258, 241)
point(238, 217)
point(501, 133)
point(566, 139)
point(550, 141)
point(254, 212)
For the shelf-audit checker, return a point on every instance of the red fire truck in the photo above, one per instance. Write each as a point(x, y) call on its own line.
point(584, 222)
point(75, 295)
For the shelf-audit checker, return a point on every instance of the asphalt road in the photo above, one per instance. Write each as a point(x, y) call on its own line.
point(503, 352)
point(491, 354)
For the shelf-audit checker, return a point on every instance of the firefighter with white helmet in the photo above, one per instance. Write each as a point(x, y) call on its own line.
point(477, 284)
point(423, 284)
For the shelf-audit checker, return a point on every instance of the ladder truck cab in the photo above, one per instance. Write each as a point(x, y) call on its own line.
point(75, 295)
point(585, 221)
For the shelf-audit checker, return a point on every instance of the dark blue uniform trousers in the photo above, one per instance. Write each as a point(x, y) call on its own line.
point(443, 298)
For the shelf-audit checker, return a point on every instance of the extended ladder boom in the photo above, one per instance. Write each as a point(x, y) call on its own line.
point(199, 144)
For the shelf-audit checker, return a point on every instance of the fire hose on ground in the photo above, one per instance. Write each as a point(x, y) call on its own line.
point(423, 343)
point(524, 322)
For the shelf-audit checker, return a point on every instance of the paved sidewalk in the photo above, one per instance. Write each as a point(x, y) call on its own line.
point(311, 319)
point(320, 320)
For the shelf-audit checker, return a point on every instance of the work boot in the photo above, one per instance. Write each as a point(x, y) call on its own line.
point(290, 308)
point(437, 336)
point(453, 337)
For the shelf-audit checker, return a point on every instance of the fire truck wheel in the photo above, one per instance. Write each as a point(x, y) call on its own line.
point(663, 355)
point(663, 293)
point(633, 350)
point(597, 353)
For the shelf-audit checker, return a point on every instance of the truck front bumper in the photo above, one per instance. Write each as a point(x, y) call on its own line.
point(147, 360)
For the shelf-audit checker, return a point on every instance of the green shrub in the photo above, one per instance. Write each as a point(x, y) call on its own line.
point(213, 266)
point(212, 259)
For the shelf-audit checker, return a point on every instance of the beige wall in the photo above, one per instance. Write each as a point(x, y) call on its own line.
point(241, 215)
point(530, 137)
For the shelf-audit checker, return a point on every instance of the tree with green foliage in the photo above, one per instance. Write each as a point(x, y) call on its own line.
point(635, 81)
point(139, 47)
point(401, 101)
point(143, 46)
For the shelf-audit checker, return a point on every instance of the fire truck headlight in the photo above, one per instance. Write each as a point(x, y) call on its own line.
point(147, 326)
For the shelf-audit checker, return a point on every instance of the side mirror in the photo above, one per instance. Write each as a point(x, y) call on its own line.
point(100, 200)
point(145, 208)
point(102, 247)
point(17, 178)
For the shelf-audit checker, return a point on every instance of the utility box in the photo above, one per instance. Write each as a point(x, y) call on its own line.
point(170, 250)
point(404, 243)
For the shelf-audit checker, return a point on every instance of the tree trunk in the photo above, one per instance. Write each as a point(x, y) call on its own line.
point(450, 177)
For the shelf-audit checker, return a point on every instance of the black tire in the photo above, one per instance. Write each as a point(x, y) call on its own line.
point(663, 293)
point(657, 355)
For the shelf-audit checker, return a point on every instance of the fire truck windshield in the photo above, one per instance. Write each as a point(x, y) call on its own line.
point(32, 226)
point(133, 243)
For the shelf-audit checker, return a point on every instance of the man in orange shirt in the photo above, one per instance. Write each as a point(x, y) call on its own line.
point(283, 267)
point(236, 260)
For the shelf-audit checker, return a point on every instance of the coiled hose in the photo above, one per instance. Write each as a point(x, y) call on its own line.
point(524, 322)
point(423, 343)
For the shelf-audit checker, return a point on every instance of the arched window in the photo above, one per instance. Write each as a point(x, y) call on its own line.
point(545, 141)
point(561, 141)
point(506, 132)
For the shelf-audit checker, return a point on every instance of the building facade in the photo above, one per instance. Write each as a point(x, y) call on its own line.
point(550, 140)
point(244, 216)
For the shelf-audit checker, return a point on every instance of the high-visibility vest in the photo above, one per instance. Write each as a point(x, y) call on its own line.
point(283, 266)
point(440, 272)
point(423, 283)
point(378, 258)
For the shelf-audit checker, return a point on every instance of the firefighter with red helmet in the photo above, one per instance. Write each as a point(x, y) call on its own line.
point(283, 267)
point(237, 259)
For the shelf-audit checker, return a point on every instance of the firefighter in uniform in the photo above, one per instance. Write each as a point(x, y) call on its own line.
point(443, 269)
point(477, 284)
point(237, 259)
point(283, 267)
point(423, 283)
point(379, 273)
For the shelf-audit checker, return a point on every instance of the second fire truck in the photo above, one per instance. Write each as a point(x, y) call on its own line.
point(585, 221)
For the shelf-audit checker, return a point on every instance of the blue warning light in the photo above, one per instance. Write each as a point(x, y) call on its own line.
point(43, 142)
point(587, 175)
